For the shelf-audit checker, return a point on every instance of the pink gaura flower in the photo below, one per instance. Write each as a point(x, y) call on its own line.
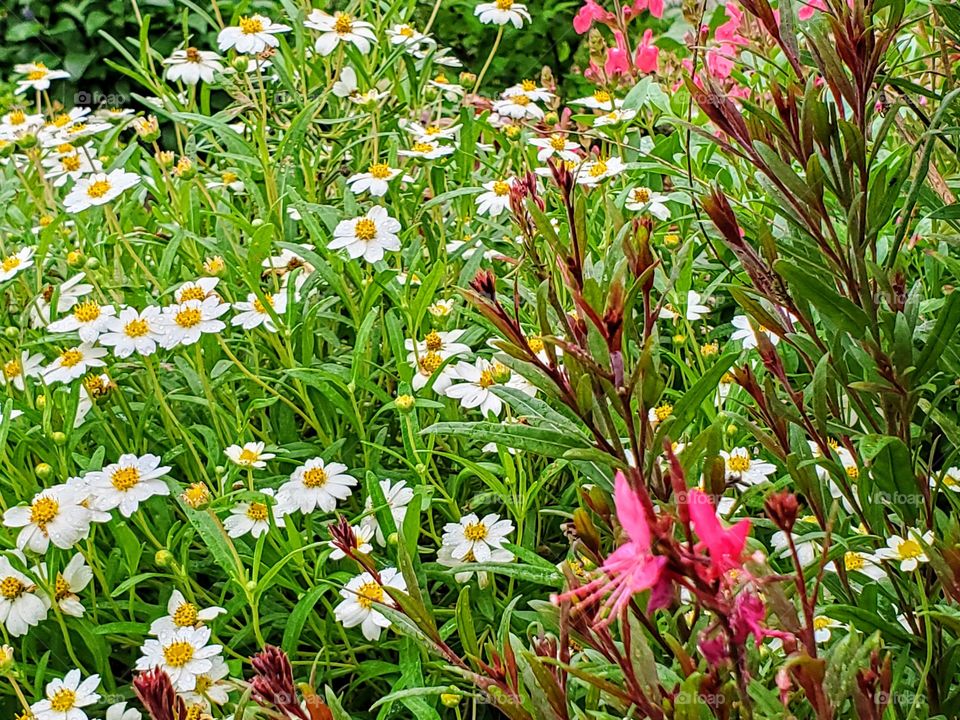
point(809, 8)
point(632, 567)
point(724, 545)
point(590, 13)
point(654, 6)
point(618, 58)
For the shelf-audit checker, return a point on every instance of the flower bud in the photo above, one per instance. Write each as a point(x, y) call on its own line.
point(147, 128)
point(551, 118)
point(75, 258)
point(450, 699)
point(501, 373)
point(404, 403)
point(163, 557)
point(59, 438)
point(12, 332)
point(782, 509)
point(43, 471)
point(92, 263)
point(6, 658)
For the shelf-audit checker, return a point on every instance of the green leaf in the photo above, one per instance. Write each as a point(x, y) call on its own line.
point(542, 441)
point(835, 309)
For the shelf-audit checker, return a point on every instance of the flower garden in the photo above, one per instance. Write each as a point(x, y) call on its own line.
point(343, 379)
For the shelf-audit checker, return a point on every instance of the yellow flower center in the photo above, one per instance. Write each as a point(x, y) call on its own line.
point(257, 512)
point(63, 700)
point(18, 117)
point(60, 120)
point(86, 311)
point(70, 163)
point(487, 379)
point(521, 100)
point(228, 178)
point(95, 385)
point(558, 142)
point(259, 306)
point(178, 654)
point(641, 195)
point(11, 262)
point(71, 358)
point(598, 168)
point(381, 171)
point(37, 74)
point(429, 363)
point(185, 615)
point(365, 229)
point(193, 55)
point(421, 147)
point(65, 148)
point(433, 129)
point(43, 511)
point(910, 549)
point(251, 26)
point(853, 561)
point(188, 317)
point(821, 623)
point(535, 344)
point(98, 189)
point(501, 188)
point(601, 96)
point(738, 463)
point(475, 532)
point(248, 456)
point(528, 85)
point(406, 31)
point(343, 24)
point(196, 495)
point(136, 328)
point(61, 588)
point(440, 79)
point(368, 594)
point(194, 292)
point(504, 4)
point(125, 478)
point(11, 588)
point(663, 411)
point(78, 128)
point(853, 472)
point(315, 477)
point(12, 369)
point(709, 349)
point(433, 341)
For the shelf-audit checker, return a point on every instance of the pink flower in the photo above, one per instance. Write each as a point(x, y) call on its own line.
point(647, 57)
point(632, 567)
point(590, 13)
point(618, 59)
point(720, 61)
point(654, 6)
point(809, 8)
point(725, 545)
point(729, 32)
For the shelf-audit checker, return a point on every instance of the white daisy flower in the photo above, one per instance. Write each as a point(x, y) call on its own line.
point(695, 309)
point(253, 313)
point(127, 483)
point(249, 455)
point(445, 344)
point(367, 236)
point(376, 180)
point(744, 470)
point(427, 150)
point(431, 132)
point(315, 484)
point(120, 711)
point(70, 166)
point(531, 90)
point(199, 289)
point(251, 517)
point(340, 27)
point(88, 319)
point(909, 551)
point(18, 368)
point(54, 515)
point(73, 363)
point(808, 551)
point(360, 599)
point(465, 572)
point(228, 181)
point(185, 323)
point(133, 332)
point(98, 189)
point(69, 583)
point(38, 77)
point(183, 614)
point(496, 199)
point(518, 106)
point(406, 35)
point(183, 654)
point(593, 172)
point(471, 385)
point(398, 497)
point(949, 480)
point(362, 534)
point(643, 199)
point(251, 36)
point(501, 12)
point(475, 539)
point(190, 66)
point(16, 263)
point(861, 562)
point(68, 294)
point(65, 698)
point(556, 145)
point(346, 84)
point(211, 687)
point(22, 604)
point(744, 331)
point(600, 100)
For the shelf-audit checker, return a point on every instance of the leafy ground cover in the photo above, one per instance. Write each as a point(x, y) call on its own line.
point(341, 382)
